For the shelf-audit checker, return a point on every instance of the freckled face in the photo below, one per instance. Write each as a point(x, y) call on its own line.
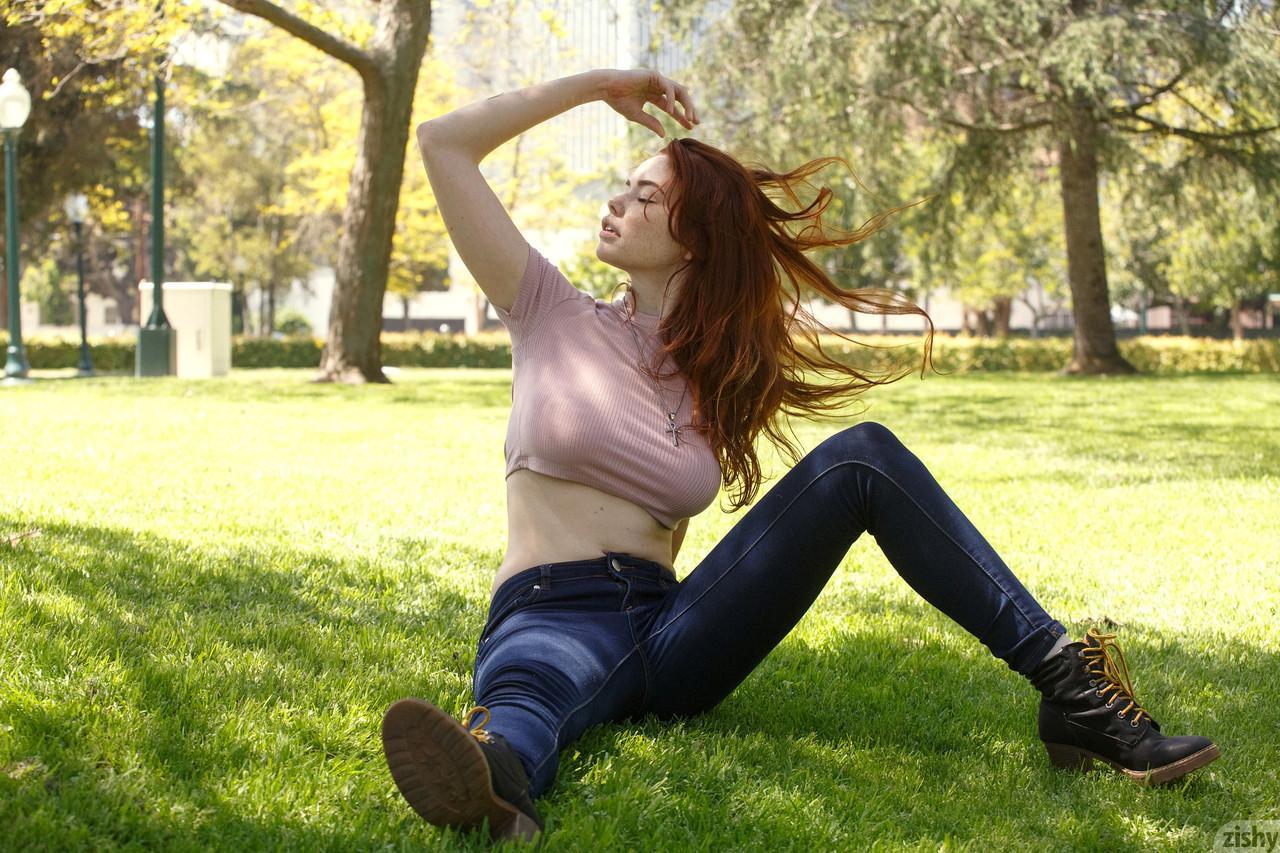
point(640, 212)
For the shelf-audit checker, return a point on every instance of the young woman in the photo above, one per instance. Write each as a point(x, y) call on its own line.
point(628, 417)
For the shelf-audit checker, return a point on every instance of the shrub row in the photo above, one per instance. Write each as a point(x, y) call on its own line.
point(882, 353)
point(1155, 354)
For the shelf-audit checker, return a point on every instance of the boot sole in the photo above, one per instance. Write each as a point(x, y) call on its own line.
point(441, 770)
point(1075, 758)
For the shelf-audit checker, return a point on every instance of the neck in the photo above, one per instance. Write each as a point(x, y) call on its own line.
point(647, 289)
point(640, 306)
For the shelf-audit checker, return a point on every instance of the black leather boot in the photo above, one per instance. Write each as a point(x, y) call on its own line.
point(1088, 712)
point(455, 776)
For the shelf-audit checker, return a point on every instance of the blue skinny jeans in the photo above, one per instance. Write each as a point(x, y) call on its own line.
point(572, 644)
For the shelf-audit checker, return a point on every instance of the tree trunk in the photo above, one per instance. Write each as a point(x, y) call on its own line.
point(273, 279)
point(983, 319)
point(353, 351)
point(965, 328)
point(1184, 323)
point(1094, 349)
point(1003, 310)
point(479, 309)
point(1237, 321)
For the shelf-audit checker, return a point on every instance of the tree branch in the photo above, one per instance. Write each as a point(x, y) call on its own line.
point(1204, 115)
point(1195, 135)
point(1150, 97)
point(338, 48)
point(953, 121)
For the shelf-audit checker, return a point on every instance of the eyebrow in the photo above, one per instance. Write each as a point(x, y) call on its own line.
point(643, 182)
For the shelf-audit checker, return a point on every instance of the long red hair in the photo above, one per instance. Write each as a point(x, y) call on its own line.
point(730, 330)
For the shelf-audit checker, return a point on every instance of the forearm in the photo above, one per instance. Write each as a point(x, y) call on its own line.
point(480, 127)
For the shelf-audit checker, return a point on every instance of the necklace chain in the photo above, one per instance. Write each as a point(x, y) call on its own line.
point(671, 427)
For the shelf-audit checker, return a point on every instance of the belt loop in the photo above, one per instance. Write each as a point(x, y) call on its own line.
point(545, 580)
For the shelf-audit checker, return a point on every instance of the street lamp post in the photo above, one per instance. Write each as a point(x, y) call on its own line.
point(157, 340)
point(77, 208)
point(15, 106)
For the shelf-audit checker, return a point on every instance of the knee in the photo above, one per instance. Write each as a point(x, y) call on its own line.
point(871, 431)
point(864, 438)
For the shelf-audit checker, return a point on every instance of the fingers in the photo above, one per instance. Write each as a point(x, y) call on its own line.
point(673, 93)
point(686, 102)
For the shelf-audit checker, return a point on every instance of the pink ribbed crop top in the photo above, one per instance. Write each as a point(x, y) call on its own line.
point(582, 409)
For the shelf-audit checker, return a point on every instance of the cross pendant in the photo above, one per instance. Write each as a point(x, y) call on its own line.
point(673, 429)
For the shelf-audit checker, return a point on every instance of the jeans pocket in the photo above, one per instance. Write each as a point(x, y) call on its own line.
point(528, 596)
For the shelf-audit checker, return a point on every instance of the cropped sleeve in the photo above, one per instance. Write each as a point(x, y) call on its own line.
point(542, 288)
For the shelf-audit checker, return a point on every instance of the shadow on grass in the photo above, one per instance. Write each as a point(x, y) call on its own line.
point(154, 684)
point(879, 726)
point(166, 695)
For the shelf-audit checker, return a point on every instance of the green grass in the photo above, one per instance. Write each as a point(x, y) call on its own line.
point(234, 578)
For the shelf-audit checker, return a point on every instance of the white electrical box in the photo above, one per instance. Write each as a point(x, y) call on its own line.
point(200, 313)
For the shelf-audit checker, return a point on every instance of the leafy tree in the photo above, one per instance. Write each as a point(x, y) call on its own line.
point(1002, 84)
point(89, 68)
point(1227, 250)
point(420, 249)
point(241, 134)
point(387, 60)
point(43, 283)
point(1139, 226)
point(543, 190)
point(1008, 244)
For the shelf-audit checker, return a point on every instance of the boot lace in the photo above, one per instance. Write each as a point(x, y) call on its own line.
point(1106, 662)
point(478, 729)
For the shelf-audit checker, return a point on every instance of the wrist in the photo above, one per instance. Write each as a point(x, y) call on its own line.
point(600, 79)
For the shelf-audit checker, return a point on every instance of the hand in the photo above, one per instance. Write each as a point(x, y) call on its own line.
point(628, 91)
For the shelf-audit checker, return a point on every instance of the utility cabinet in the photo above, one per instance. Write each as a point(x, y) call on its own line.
point(200, 313)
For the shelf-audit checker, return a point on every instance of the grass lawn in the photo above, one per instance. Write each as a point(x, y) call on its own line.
point(234, 578)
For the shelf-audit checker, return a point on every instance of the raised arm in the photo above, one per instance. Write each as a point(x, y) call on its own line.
point(452, 147)
point(482, 126)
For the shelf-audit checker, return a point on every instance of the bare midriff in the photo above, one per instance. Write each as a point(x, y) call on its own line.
point(550, 520)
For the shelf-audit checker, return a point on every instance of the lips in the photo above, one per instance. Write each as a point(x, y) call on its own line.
point(607, 225)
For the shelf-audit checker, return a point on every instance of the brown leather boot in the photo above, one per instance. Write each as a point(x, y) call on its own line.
point(1088, 712)
point(458, 776)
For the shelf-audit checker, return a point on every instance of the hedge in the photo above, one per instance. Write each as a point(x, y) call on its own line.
point(1156, 354)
